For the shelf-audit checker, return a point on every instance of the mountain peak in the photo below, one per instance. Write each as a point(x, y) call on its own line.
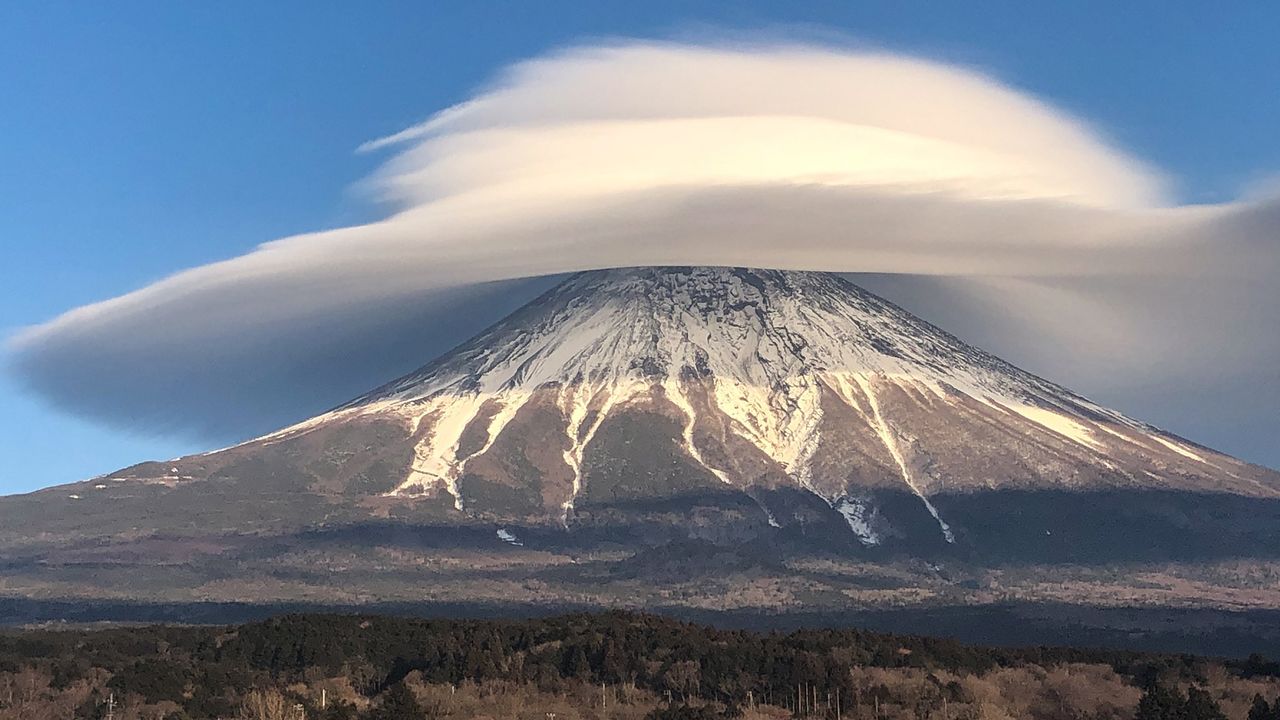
point(759, 326)
point(790, 415)
point(760, 378)
point(647, 405)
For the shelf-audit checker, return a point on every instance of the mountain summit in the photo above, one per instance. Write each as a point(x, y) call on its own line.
point(765, 378)
point(648, 383)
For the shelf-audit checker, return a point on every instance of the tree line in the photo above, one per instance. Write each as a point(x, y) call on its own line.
point(342, 667)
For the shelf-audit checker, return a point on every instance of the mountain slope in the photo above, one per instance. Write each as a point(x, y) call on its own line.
point(706, 438)
point(769, 399)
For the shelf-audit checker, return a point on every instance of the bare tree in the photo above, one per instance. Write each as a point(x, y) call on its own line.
point(265, 705)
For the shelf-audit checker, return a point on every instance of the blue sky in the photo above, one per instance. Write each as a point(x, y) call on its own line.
point(139, 139)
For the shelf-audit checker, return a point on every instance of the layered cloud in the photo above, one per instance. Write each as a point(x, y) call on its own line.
point(1005, 219)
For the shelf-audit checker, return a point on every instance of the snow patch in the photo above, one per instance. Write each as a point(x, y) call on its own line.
point(1179, 449)
point(1060, 424)
point(781, 420)
point(858, 513)
point(508, 537)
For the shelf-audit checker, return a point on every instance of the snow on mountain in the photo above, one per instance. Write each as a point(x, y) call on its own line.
point(833, 391)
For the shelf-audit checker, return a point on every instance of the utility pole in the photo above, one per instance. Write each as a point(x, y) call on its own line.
point(111, 706)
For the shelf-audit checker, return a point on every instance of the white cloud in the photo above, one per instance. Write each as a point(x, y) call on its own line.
point(650, 153)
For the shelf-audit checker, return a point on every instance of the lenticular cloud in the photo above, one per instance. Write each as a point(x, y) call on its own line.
point(618, 119)
point(1012, 222)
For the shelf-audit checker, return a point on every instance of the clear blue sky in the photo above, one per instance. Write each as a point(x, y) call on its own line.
point(237, 122)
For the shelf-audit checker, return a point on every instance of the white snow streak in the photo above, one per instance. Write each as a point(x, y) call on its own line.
point(674, 393)
point(1179, 449)
point(1060, 424)
point(435, 458)
point(782, 423)
point(511, 404)
point(890, 441)
point(576, 402)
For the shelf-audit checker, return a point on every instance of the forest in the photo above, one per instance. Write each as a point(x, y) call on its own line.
point(614, 665)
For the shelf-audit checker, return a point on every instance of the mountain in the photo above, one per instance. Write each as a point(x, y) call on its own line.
point(782, 417)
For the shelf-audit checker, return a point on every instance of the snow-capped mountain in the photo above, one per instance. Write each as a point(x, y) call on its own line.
point(696, 437)
point(796, 390)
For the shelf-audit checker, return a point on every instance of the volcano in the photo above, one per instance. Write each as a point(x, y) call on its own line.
point(753, 380)
point(776, 414)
